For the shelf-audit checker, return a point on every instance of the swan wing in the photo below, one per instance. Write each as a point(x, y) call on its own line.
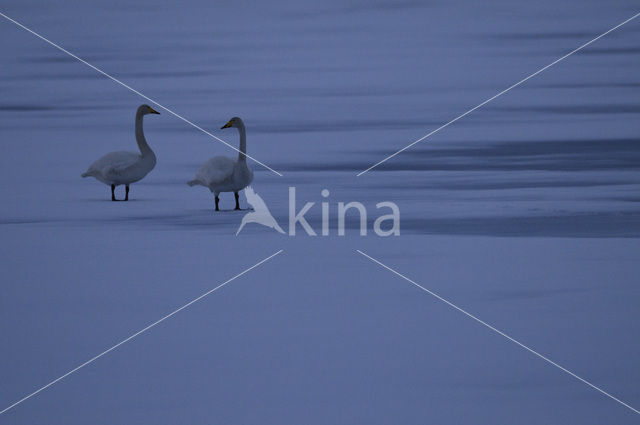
point(216, 170)
point(114, 164)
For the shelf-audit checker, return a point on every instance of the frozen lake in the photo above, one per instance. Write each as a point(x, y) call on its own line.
point(525, 213)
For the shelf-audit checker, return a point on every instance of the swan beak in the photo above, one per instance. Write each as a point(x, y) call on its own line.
point(227, 125)
point(153, 111)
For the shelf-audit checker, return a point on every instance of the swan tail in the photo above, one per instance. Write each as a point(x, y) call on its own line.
point(87, 174)
point(195, 182)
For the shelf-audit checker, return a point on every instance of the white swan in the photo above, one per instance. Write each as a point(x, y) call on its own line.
point(122, 167)
point(223, 174)
point(260, 213)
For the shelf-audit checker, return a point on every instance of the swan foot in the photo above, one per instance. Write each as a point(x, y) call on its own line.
point(217, 201)
point(237, 200)
point(126, 196)
point(113, 192)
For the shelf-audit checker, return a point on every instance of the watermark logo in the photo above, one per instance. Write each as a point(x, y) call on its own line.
point(384, 225)
point(260, 213)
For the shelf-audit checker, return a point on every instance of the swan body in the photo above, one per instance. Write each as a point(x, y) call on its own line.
point(121, 168)
point(124, 168)
point(224, 174)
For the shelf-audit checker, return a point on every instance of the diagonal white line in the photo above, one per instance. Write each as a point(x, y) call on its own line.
point(138, 333)
point(499, 94)
point(95, 68)
point(499, 332)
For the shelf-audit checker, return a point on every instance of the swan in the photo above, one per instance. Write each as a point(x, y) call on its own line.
point(117, 168)
point(224, 174)
point(260, 213)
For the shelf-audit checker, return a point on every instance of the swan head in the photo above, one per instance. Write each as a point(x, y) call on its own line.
point(146, 109)
point(233, 122)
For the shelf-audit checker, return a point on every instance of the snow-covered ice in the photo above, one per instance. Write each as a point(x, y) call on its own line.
point(525, 213)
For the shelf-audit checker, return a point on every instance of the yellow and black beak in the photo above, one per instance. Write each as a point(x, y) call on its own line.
point(153, 111)
point(227, 125)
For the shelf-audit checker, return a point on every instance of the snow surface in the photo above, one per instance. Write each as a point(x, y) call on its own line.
point(526, 213)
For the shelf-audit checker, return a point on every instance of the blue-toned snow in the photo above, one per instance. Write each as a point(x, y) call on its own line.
point(526, 213)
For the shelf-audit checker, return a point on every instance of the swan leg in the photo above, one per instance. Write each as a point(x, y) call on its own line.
point(237, 200)
point(126, 196)
point(217, 201)
point(113, 192)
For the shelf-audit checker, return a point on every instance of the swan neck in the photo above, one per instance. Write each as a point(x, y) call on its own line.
point(243, 143)
point(142, 142)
